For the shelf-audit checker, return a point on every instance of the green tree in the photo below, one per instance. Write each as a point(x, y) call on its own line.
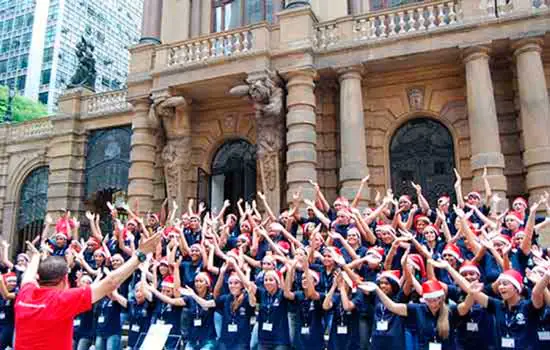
point(23, 108)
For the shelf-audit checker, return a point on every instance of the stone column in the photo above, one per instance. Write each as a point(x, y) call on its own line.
point(142, 156)
point(152, 21)
point(353, 148)
point(195, 18)
point(482, 120)
point(535, 115)
point(301, 136)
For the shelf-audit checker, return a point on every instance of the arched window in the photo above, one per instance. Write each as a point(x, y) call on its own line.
point(33, 202)
point(230, 14)
point(422, 151)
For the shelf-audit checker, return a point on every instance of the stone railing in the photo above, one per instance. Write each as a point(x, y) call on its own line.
point(226, 44)
point(403, 20)
point(42, 127)
point(389, 23)
point(108, 102)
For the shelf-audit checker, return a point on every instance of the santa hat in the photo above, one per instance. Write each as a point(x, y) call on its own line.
point(452, 249)
point(357, 233)
point(86, 278)
point(284, 246)
point(61, 225)
point(315, 276)
point(195, 216)
point(385, 228)
point(520, 200)
point(474, 194)
point(432, 228)
point(24, 256)
point(391, 275)
point(513, 277)
point(10, 277)
point(206, 277)
point(94, 241)
point(154, 216)
point(338, 256)
point(377, 254)
point(443, 200)
point(276, 274)
point(131, 222)
point(342, 201)
point(405, 198)
point(469, 266)
point(61, 235)
point(417, 262)
point(519, 234)
point(164, 261)
point(514, 215)
point(502, 238)
point(432, 289)
point(168, 282)
point(167, 231)
point(101, 251)
point(421, 217)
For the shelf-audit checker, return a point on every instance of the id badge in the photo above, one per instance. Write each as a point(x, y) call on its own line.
point(305, 330)
point(101, 319)
point(472, 327)
point(268, 327)
point(135, 328)
point(382, 326)
point(342, 330)
point(232, 328)
point(434, 346)
point(197, 322)
point(2, 315)
point(160, 322)
point(252, 320)
point(76, 322)
point(544, 335)
point(507, 343)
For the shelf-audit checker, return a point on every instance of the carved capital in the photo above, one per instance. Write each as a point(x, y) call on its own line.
point(176, 156)
point(264, 91)
point(476, 52)
point(527, 45)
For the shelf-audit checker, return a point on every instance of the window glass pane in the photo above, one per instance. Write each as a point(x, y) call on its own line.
point(21, 82)
point(233, 15)
point(269, 10)
point(218, 20)
point(254, 11)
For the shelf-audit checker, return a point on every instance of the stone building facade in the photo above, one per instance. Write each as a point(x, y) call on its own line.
point(328, 92)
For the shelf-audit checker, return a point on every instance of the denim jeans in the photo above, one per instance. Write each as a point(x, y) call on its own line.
point(82, 344)
point(411, 341)
point(218, 324)
point(365, 324)
point(108, 343)
point(292, 326)
point(254, 337)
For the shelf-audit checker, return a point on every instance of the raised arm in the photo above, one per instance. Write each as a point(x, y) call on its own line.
point(359, 192)
point(397, 308)
point(537, 296)
point(320, 196)
point(318, 213)
point(327, 303)
point(487, 186)
point(529, 228)
point(422, 202)
point(458, 190)
point(205, 304)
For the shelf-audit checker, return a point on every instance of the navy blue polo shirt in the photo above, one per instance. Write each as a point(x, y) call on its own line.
point(426, 325)
point(476, 329)
point(168, 314)
point(273, 315)
point(188, 272)
point(309, 331)
point(544, 329)
point(201, 327)
point(57, 251)
point(361, 252)
point(344, 332)
point(236, 328)
point(325, 280)
point(139, 320)
point(6, 311)
point(192, 237)
point(490, 268)
point(519, 323)
point(107, 317)
point(83, 325)
point(388, 329)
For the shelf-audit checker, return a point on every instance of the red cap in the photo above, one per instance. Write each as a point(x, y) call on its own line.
point(10, 277)
point(168, 282)
point(469, 266)
point(432, 289)
point(452, 249)
point(513, 277)
point(284, 246)
point(417, 262)
point(394, 275)
point(520, 200)
point(377, 252)
point(514, 215)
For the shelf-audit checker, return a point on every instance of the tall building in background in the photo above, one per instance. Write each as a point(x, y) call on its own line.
point(38, 40)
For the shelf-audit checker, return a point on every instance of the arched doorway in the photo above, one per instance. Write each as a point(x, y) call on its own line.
point(422, 151)
point(33, 203)
point(106, 174)
point(233, 175)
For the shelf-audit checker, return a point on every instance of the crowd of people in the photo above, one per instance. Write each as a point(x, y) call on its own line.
point(401, 275)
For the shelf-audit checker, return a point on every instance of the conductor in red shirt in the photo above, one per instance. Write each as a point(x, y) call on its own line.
point(45, 307)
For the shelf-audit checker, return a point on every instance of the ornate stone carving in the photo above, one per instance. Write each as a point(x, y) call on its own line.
point(165, 107)
point(85, 73)
point(416, 98)
point(176, 157)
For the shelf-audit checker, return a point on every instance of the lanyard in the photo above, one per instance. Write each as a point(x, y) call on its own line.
point(508, 321)
point(305, 308)
point(163, 310)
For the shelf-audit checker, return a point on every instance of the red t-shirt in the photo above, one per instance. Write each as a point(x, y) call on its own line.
point(44, 316)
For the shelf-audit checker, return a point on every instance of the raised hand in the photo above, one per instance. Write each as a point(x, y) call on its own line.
point(417, 187)
point(148, 245)
point(365, 179)
point(458, 178)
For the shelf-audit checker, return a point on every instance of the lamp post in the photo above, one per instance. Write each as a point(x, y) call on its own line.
point(8, 116)
point(291, 4)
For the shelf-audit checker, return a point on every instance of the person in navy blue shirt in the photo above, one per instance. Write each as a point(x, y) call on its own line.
point(309, 330)
point(344, 305)
point(236, 308)
point(9, 290)
point(435, 320)
point(107, 316)
point(140, 312)
point(516, 318)
point(84, 324)
point(200, 305)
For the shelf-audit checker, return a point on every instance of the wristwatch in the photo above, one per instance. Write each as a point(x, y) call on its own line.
point(141, 256)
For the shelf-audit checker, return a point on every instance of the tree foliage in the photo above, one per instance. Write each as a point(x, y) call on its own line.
point(23, 108)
